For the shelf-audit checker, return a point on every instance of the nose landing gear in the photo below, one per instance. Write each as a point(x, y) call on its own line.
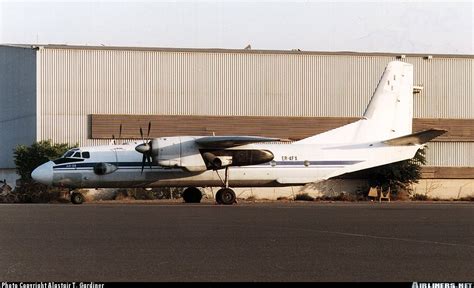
point(77, 198)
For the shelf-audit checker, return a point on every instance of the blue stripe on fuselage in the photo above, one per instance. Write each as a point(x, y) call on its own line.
point(125, 165)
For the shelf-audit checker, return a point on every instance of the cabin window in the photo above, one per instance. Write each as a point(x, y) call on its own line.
point(86, 154)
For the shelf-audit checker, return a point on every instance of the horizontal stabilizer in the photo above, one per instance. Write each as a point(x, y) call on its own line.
point(232, 141)
point(416, 138)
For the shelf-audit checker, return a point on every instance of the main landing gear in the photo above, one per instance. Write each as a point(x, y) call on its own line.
point(225, 195)
point(192, 195)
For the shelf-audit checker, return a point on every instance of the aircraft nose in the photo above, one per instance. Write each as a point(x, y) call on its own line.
point(44, 173)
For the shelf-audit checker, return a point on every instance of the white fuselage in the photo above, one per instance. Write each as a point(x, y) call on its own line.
point(293, 164)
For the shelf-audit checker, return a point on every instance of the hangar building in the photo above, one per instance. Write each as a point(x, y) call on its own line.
point(81, 94)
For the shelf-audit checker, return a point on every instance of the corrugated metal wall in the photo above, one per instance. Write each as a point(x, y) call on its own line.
point(17, 101)
point(74, 83)
point(450, 154)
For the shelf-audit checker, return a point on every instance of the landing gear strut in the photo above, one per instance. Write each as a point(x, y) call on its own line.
point(225, 195)
point(192, 195)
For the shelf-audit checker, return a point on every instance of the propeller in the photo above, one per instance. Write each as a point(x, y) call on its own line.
point(120, 134)
point(145, 148)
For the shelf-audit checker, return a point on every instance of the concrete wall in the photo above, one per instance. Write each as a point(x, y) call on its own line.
point(17, 101)
point(444, 189)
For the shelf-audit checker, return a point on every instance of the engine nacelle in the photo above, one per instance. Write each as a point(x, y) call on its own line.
point(178, 152)
point(184, 152)
point(236, 157)
point(217, 162)
point(104, 168)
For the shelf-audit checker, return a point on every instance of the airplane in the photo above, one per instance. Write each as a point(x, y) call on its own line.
point(383, 135)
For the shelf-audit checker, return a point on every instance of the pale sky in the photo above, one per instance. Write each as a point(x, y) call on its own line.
point(409, 27)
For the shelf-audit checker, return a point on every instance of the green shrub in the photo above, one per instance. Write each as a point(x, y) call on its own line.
point(398, 176)
point(27, 158)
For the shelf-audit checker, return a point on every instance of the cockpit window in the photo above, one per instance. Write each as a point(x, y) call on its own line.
point(68, 154)
point(73, 155)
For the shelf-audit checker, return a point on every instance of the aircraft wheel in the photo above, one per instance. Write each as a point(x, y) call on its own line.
point(226, 196)
point(192, 195)
point(77, 198)
point(218, 196)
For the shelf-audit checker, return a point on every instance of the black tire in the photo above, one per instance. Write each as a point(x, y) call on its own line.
point(218, 197)
point(192, 195)
point(77, 198)
point(226, 196)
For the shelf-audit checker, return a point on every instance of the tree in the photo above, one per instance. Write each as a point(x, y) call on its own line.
point(398, 176)
point(27, 158)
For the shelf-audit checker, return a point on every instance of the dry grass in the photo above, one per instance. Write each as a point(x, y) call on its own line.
point(466, 198)
point(419, 197)
point(251, 198)
point(303, 197)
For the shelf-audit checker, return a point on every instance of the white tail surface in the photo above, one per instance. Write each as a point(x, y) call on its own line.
point(388, 115)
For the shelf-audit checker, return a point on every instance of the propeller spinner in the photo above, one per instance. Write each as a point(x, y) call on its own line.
point(145, 148)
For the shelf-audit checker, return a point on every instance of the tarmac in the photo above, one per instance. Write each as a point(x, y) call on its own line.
point(290, 241)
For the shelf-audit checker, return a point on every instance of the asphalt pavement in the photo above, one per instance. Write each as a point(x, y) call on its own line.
point(244, 242)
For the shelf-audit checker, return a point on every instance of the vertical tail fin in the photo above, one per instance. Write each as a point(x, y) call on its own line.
point(388, 115)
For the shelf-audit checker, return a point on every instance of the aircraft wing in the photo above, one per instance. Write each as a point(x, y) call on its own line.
point(232, 141)
point(416, 138)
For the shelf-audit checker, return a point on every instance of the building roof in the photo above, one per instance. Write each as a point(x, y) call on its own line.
point(222, 50)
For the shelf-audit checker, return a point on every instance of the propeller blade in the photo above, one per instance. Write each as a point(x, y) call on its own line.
point(148, 158)
point(143, 162)
point(149, 128)
point(120, 131)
